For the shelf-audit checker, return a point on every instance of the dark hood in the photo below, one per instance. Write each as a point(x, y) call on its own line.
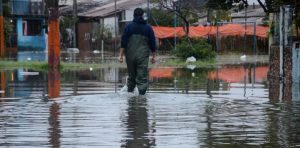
point(139, 20)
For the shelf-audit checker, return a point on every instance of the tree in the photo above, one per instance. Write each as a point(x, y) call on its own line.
point(226, 4)
point(160, 17)
point(183, 9)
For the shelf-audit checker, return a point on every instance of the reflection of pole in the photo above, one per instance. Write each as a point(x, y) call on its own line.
point(54, 122)
point(2, 50)
point(245, 79)
point(2, 82)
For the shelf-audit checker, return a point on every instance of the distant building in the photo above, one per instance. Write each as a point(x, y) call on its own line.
point(254, 13)
point(28, 20)
point(95, 14)
point(70, 2)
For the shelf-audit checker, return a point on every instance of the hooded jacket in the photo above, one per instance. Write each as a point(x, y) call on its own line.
point(139, 27)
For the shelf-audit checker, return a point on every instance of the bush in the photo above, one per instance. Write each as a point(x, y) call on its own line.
point(199, 48)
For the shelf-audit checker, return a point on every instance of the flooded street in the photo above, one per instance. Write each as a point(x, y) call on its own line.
point(228, 106)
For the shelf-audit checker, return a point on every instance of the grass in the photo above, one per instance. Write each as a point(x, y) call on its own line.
point(6, 65)
point(43, 66)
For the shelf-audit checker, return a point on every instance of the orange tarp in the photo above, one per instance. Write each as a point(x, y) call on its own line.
point(235, 75)
point(204, 31)
point(168, 32)
point(161, 73)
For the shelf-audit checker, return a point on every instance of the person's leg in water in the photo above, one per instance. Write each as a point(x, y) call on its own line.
point(142, 75)
point(131, 80)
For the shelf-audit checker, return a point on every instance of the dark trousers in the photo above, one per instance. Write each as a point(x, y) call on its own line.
point(138, 74)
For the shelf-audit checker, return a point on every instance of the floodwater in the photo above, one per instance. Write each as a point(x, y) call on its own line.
point(228, 106)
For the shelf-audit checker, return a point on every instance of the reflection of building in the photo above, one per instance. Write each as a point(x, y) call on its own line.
point(28, 19)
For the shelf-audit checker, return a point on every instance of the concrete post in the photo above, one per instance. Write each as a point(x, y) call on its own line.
point(284, 33)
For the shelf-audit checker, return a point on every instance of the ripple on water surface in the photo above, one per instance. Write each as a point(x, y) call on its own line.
point(158, 120)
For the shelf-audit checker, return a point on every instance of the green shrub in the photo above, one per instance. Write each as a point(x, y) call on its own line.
point(199, 48)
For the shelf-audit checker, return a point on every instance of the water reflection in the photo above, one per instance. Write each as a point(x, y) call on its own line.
point(137, 122)
point(230, 106)
point(54, 125)
point(54, 130)
point(206, 81)
point(2, 82)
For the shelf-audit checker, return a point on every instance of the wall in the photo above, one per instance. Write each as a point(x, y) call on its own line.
point(30, 43)
point(30, 48)
point(278, 87)
point(87, 40)
point(20, 7)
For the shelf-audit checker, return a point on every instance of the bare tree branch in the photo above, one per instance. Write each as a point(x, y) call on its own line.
point(263, 6)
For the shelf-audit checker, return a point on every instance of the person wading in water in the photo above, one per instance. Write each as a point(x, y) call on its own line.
point(137, 41)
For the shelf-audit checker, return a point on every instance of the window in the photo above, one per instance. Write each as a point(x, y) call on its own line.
point(32, 27)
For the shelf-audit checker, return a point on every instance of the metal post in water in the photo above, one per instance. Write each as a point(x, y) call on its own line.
point(75, 23)
point(148, 10)
point(115, 46)
point(2, 80)
point(217, 37)
point(254, 38)
point(102, 40)
point(175, 25)
point(53, 35)
point(2, 48)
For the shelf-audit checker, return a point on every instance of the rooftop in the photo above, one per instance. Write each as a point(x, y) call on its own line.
point(93, 9)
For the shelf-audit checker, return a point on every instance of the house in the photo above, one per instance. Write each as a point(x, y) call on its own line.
point(28, 20)
point(93, 15)
point(254, 13)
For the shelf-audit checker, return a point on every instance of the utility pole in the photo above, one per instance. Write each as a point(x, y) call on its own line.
point(116, 32)
point(148, 10)
point(53, 35)
point(2, 50)
point(75, 23)
point(115, 45)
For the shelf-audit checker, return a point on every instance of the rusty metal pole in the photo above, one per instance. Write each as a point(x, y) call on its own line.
point(53, 35)
point(2, 49)
point(54, 79)
point(2, 82)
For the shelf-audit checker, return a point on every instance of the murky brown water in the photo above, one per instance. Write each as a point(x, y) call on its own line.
point(226, 107)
